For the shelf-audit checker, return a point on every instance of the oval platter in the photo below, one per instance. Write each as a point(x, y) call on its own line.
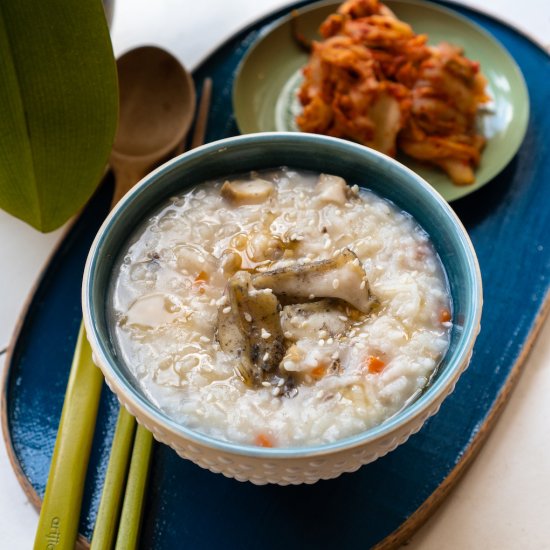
point(264, 95)
point(383, 503)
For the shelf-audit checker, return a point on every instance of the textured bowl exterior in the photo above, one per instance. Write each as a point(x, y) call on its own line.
point(281, 471)
point(357, 164)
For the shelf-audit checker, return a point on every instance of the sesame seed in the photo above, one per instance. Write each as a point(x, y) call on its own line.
point(212, 302)
point(335, 355)
point(266, 384)
point(321, 342)
point(330, 341)
point(362, 285)
point(323, 333)
point(266, 356)
point(335, 284)
point(226, 310)
point(204, 339)
point(288, 334)
point(342, 318)
point(289, 365)
point(265, 335)
point(327, 244)
point(222, 301)
point(247, 316)
point(280, 382)
point(275, 392)
point(356, 261)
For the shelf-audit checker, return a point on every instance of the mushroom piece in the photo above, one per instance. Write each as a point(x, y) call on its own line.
point(332, 189)
point(340, 277)
point(262, 246)
point(154, 310)
point(249, 328)
point(308, 320)
point(254, 191)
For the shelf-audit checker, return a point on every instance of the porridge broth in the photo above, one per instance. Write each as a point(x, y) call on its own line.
point(281, 308)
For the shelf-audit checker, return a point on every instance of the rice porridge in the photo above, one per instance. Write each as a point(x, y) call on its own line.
point(280, 308)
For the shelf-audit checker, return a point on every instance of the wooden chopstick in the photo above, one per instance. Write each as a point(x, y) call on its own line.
point(136, 483)
point(202, 115)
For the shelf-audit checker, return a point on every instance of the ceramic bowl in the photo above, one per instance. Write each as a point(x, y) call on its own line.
point(356, 164)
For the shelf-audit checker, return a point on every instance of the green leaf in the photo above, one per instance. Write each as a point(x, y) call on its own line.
point(58, 107)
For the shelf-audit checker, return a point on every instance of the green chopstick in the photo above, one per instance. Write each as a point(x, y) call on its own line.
point(115, 479)
point(132, 509)
point(60, 512)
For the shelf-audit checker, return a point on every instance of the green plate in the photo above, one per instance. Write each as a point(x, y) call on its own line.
point(264, 93)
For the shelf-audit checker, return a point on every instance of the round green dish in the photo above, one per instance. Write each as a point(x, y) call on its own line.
point(264, 94)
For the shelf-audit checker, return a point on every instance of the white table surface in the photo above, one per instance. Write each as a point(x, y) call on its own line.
point(503, 500)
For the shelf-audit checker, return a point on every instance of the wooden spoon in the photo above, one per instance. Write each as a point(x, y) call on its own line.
point(157, 104)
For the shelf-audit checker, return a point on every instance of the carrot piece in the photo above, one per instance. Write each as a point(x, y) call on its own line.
point(263, 440)
point(444, 316)
point(201, 278)
point(318, 372)
point(374, 364)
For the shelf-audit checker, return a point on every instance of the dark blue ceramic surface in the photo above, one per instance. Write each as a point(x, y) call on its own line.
point(509, 223)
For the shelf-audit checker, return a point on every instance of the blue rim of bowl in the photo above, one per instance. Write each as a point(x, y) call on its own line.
point(438, 389)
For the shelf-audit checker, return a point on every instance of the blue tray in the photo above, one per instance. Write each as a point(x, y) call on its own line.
point(384, 502)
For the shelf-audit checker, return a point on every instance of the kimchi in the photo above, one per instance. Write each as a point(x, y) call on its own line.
point(373, 80)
